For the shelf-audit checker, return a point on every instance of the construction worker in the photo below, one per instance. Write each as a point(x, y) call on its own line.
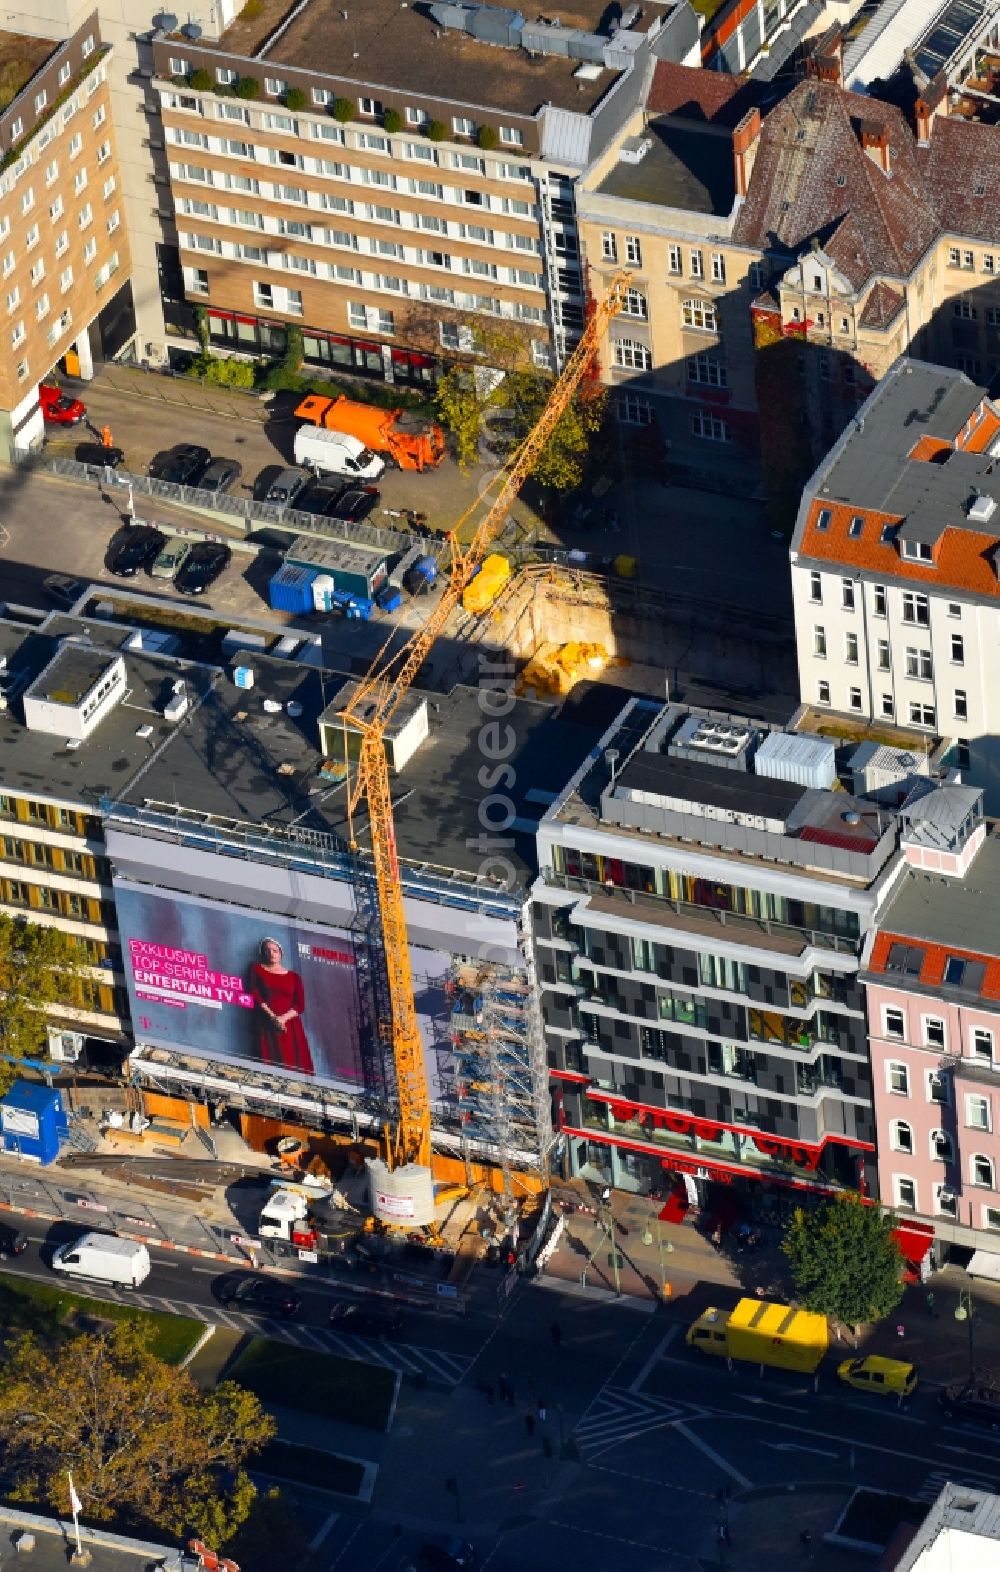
point(107, 440)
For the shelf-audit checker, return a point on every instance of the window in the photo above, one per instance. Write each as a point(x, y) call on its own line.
point(85, 216)
point(819, 642)
point(855, 699)
point(114, 221)
point(56, 210)
point(755, 275)
point(609, 246)
point(17, 126)
point(851, 648)
point(79, 181)
point(957, 650)
point(905, 1192)
point(919, 664)
point(22, 370)
point(90, 250)
point(981, 1171)
point(37, 271)
point(937, 1088)
point(918, 550)
point(14, 299)
point(963, 754)
point(108, 188)
point(635, 304)
point(699, 314)
point(960, 702)
point(51, 172)
point(968, 259)
point(847, 594)
point(709, 427)
point(989, 262)
point(99, 117)
point(977, 1113)
point(823, 692)
point(893, 1025)
point(898, 1077)
point(633, 250)
point(697, 265)
point(31, 238)
point(856, 527)
point(88, 45)
point(42, 307)
point(463, 126)
point(954, 257)
point(901, 1136)
point(916, 608)
point(511, 136)
point(942, 1147)
point(41, 99)
point(934, 1036)
point(263, 296)
point(632, 356)
point(18, 335)
point(878, 600)
point(922, 714)
point(708, 370)
point(104, 152)
point(816, 588)
point(888, 706)
point(675, 262)
point(883, 655)
point(718, 268)
point(982, 1043)
point(274, 86)
point(28, 200)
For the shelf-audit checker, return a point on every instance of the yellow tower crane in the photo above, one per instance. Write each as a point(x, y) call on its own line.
point(368, 713)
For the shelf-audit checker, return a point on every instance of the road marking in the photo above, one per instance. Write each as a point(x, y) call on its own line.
point(935, 1483)
point(619, 1539)
point(323, 1531)
point(645, 1479)
point(792, 1446)
point(769, 1402)
point(653, 1360)
point(710, 1452)
point(616, 1416)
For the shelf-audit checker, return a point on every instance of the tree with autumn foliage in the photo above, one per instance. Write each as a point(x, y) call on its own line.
point(143, 1444)
point(39, 966)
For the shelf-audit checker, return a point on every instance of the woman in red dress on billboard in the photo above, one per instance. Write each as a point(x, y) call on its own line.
point(280, 1001)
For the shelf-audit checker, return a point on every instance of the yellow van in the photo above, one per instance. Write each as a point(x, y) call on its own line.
point(890, 1377)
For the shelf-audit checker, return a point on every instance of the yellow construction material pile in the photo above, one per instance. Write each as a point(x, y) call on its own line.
point(480, 594)
point(556, 668)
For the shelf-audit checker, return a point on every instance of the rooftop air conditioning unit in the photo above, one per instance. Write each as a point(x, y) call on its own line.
point(982, 508)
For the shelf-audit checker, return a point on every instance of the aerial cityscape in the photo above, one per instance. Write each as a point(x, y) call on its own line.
point(500, 786)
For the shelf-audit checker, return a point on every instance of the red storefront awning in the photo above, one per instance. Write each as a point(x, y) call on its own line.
point(914, 1241)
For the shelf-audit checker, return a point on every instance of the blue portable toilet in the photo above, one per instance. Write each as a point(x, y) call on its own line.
point(33, 1122)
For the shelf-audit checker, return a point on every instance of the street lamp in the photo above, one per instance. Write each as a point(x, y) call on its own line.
point(965, 1311)
point(662, 1245)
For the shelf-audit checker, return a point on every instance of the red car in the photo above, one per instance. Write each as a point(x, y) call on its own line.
point(59, 408)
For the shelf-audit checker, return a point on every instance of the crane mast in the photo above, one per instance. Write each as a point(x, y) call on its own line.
point(369, 711)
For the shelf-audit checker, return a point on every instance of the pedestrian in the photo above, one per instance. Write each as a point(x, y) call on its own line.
point(503, 1385)
point(929, 1301)
point(543, 1412)
point(723, 1534)
point(555, 1333)
point(529, 1424)
point(716, 1237)
point(900, 1329)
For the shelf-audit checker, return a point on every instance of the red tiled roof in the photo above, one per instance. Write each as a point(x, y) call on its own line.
point(961, 171)
point(962, 555)
point(882, 307)
point(935, 959)
point(696, 94)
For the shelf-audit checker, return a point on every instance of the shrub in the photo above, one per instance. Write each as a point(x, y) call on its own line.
point(201, 327)
point(201, 80)
point(224, 373)
point(295, 99)
point(180, 81)
point(248, 87)
point(344, 109)
point(225, 90)
point(392, 121)
point(487, 138)
point(436, 130)
point(294, 350)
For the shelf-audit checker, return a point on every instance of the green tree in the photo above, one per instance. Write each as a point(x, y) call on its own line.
point(39, 966)
point(560, 465)
point(845, 1262)
point(291, 360)
point(141, 1440)
point(461, 411)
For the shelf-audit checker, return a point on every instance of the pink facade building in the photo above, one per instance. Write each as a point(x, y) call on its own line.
point(932, 977)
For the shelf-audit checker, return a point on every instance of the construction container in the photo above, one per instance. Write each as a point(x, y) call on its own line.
point(33, 1122)
point(483, 590)
point(421, 575)
point(327, 597)
point(290, 589)
point(798, 757)
point(389, 598)
point(356, 569)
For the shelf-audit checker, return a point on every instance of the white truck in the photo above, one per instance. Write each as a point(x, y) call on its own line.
point(104, 1258)
point(336, 453)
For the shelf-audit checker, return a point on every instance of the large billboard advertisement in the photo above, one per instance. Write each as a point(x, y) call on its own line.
point(246, 985)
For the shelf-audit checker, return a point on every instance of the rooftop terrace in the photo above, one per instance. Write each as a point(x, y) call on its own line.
point(20, 58)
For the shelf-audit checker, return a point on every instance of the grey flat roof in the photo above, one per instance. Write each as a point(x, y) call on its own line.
point(688, 166)
point(109, 1552)
point(71, 673)
point(963, 913)
point(739, 790)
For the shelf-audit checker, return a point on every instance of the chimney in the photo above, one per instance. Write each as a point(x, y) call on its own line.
point(826, 62)
point(932, 102)
point(875, 141)
point(745, 139)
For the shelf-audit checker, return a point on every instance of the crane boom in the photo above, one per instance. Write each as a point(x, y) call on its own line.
point(376, 700)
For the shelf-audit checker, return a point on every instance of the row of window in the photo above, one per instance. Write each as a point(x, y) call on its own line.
point(64, 903)
point(915, 606)
point(919, 661)
point(941, 1147)
point(675, 259)
point(919, 713)
point(38, 854)
point(29, 811)
point(905, 1197)
point(934, 1034)
point(964, 257)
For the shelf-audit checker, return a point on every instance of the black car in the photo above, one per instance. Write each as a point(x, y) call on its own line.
point(12, 1241)
point(97, 454)
point(134, 549)
point(201, 567)
point(366, 1320)
point(221, 475)
point(354, 504)
point(973, 1405)
point(455, 1555)
point(320, 495)
point(64, 590)
point(184, 465)
point(264, 1295)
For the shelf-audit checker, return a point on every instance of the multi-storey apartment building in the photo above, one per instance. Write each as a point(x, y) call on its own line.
point(63, 247)
point(932, 980)
point(895, 568)
point(846, 235)
point(699, 915)
point(388, 178)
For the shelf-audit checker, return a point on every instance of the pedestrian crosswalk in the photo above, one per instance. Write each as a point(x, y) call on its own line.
point(935, 1483)
point(616, 1416)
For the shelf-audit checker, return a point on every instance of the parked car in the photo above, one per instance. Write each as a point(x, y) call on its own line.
point(96, 453)
point(183, 465)
point(888, 1377)
point(63, 589)
point(202, 566)
point(972, 1405)
point(170, 559)
point(59, 408)
point(262, 1295)
point(133, 549)
point(455, 1555)
point(221, 475)
point(354, 504)
point(286, 485)
point(12, 1241)
point(366, 1320)
point(320, 495)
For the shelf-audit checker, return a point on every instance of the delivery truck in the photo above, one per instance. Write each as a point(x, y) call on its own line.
point(104, 1258)
point(410, 441)
point(336, 453)
point(762, 1333)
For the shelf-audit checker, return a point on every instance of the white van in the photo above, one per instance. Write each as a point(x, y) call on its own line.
point(335, 453)
point(105, 1259)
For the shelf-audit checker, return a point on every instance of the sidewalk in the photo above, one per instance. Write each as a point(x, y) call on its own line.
point(940, 1346)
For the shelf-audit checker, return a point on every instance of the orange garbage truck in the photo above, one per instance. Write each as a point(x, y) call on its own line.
point(409, 440)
